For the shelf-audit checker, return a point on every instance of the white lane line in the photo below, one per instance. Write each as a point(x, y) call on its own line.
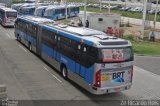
point(53, 75)
point(56, 78)
point(8, 35)
point(46, 69)
point(22, 48)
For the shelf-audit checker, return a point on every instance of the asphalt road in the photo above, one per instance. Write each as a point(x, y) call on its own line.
point(29, 78)
point(149, 63)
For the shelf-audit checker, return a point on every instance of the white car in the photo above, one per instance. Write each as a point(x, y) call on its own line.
point(137, 9)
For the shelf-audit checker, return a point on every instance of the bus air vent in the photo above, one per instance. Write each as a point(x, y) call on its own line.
point(63, 25)
point(114, 43)
point(102, 37)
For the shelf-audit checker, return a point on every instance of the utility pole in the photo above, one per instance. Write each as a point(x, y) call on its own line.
point(144, 18)
point(66, 9)
point(85, 9)
point(155, 17)
point(100, 5)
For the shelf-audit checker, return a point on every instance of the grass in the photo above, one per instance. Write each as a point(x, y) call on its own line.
point(144, 47)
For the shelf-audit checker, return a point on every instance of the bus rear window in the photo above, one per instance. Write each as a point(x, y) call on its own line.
point(117, 54)
point(11, 14)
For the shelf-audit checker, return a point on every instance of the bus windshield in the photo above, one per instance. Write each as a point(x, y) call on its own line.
point(11, 14)
point(49, 13)
point(117, 54)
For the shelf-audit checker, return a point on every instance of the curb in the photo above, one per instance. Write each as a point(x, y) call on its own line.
point(147, 55)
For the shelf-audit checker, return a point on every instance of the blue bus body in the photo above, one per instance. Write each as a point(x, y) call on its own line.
point(77, 53)
point(59, 12)
point(55, 12)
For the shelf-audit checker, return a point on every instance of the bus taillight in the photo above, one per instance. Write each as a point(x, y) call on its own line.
point(98, 79)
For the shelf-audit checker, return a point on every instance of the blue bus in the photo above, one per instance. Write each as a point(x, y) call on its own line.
point(99, 63)
point(20, 7)
point(59, 12)
point(55, 12)
point(17, 6)
point(29, 10)
point(73, 10)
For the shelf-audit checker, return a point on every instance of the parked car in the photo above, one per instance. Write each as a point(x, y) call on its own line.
point(138, 9)
point(152, 11)
point(125, 8)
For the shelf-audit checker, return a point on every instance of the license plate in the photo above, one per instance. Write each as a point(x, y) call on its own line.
point(105, 78)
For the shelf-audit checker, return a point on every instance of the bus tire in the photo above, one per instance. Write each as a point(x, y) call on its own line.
point(30, 47)
point(64, 72)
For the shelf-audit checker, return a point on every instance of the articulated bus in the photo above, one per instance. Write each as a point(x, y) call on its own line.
point(99, 63)
point(7, 16)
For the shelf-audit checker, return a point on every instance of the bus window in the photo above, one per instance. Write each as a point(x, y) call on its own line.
point(11, 14)
point(117, 55)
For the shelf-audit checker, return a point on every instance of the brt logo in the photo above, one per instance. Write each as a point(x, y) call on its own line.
point(118, 75)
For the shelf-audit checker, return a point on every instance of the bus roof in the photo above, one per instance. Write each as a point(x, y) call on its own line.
point(35, 19)
point(90, 36)
point(55, 7)
point(30, 7)
point(41, 7)
point(8, 9)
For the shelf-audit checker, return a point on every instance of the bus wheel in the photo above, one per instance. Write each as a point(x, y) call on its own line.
point(64, 72)
point(30, 47)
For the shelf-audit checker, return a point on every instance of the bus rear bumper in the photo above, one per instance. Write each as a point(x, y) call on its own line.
point(106, 90)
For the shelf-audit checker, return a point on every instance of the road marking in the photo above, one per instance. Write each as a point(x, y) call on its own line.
point(8, 35)
point(46, 69)
point(22, 48)
point(56, 78)
point(53, 75)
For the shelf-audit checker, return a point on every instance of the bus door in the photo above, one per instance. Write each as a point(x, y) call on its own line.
point(39, 38)
point(80, 70)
